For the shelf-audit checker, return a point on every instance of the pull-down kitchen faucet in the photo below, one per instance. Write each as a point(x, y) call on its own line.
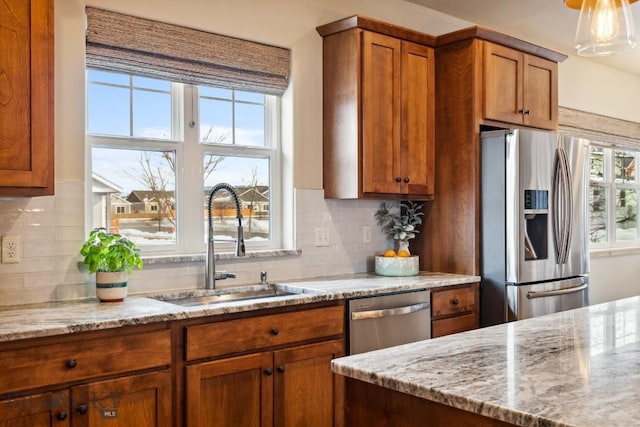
point(212, 276)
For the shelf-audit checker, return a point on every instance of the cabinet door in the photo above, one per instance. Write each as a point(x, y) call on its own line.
point(380, 121)
point(39, 410)
point(306, 392)
point(237, 391)
point(418, 119)
point(136, 400)
point(26, 97)
point(503, 87)
point(540, 92)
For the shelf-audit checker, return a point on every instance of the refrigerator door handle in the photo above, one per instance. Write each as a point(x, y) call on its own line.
point(554, 293)
point(562, 210)
point(567, 194)
point(557, 242)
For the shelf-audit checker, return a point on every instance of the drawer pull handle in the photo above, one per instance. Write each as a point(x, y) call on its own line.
point(454, 301)
point(268, 371)
point(275, 331)
point(62, 415)
point(72, 363)
point(83, 409)
point(281, 368)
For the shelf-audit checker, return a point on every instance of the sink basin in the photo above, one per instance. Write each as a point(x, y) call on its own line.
point(192, 301)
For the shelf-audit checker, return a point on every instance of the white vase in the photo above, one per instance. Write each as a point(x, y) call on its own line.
point(403, 245)
point(111, 286)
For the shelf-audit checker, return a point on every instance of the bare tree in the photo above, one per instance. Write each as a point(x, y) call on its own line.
point(155, 177)
point(211, 162)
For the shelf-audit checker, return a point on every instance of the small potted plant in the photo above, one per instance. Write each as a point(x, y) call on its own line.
point(112, 257)
point(400, 221)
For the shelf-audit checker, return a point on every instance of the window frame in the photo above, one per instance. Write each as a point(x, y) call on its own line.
point(610, 186)
point(189, 181)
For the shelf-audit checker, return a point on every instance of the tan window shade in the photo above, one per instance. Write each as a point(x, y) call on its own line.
point(128, 44)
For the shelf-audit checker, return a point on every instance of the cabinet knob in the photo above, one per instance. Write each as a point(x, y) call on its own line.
point(281, 368)
point(526, 112)
point(62, 415)
point(83, 409)
point(454, 301)
point(72, 363)
point(398, 179)
point(406, 180)
point(275, 331)
point(268, 371)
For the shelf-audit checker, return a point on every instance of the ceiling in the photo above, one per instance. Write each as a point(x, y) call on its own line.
point(548, 23)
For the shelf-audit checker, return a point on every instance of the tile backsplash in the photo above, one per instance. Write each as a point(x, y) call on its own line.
point(52, 231)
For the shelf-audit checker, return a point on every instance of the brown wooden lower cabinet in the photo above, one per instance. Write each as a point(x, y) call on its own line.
point(289, 387)
point(136, 400)
point(111, 378)
point(37, 410)
point(455, 309)
point(370, 405)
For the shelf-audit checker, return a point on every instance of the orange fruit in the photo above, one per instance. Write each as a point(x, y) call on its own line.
point(389, 253)
point(404, 254)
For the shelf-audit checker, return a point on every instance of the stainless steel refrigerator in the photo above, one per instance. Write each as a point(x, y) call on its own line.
point(534, 223)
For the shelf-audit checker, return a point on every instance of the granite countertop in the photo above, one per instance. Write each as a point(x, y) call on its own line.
point(56, 318)
point(575, 368)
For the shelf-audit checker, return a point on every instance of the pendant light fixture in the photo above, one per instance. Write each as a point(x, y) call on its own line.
point(605, 27)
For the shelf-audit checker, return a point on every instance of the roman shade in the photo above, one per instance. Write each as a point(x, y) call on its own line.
point(128, 44)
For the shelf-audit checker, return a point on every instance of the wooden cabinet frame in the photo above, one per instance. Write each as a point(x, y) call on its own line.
point(27, 101)
point(378, 111)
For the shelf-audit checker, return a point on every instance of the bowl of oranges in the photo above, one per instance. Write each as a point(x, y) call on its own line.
point(400, 263)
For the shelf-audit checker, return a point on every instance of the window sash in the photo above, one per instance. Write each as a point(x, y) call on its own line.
point(189, 179)
point(610, 185)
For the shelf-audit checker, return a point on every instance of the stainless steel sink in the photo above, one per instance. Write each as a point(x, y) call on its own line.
point(197, 300)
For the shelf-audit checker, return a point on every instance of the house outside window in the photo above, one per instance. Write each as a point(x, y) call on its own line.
point(166, 144)
point(613, 197)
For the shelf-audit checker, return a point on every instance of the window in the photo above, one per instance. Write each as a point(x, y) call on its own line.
point(164, 145)
point(613, 196)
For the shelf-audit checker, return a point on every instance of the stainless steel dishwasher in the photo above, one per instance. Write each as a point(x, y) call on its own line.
point(387, 320)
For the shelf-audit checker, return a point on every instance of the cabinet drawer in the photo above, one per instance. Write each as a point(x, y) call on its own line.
point(76, 360)
point(235, 336)
point(453, 301)
point(451, 325)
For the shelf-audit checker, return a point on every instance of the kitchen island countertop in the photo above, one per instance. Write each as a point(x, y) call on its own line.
point(57, 318)
point(575, 368)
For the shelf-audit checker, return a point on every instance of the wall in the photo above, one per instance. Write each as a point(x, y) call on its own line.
point(52, 228)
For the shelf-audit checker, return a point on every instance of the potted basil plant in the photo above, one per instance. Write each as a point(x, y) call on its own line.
point(112, 257)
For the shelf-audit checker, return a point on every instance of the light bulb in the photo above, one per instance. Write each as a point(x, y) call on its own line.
point(605, 27)
point(604, 23)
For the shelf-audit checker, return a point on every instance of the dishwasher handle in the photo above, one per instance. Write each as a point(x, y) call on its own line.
point(389, 312)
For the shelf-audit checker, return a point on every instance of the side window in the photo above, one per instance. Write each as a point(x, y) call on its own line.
point(613, 196)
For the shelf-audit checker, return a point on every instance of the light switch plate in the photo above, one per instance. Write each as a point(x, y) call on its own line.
point(322, 236)
point(366, 234)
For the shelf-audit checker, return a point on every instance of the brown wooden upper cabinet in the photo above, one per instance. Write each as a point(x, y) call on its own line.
point(520, 88)
point(26, 98)
point(379, 117)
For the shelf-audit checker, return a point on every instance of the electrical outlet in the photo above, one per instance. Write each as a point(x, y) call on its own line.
point(322, 236)
point(366, 234)
point(10, 249)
